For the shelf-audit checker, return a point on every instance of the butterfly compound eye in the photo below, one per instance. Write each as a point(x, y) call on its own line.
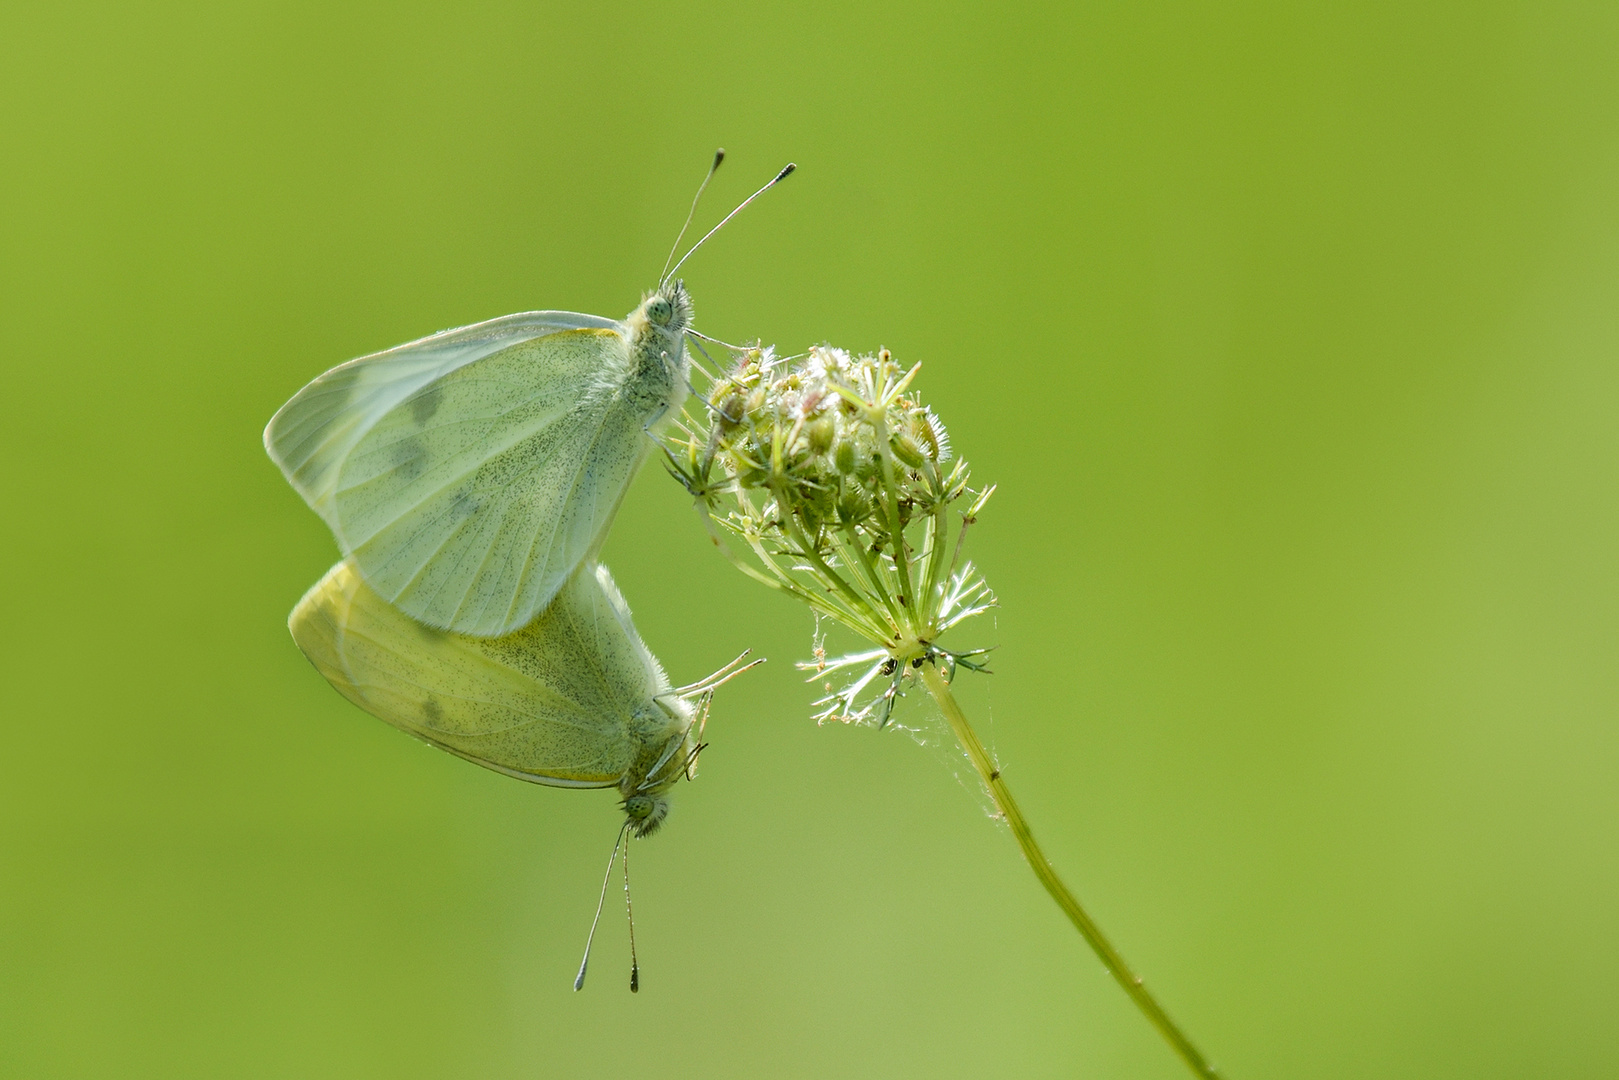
point(659, 311)
point(646, 813)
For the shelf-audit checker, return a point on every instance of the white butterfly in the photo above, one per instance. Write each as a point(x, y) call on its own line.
point(573, 699)
point(468, 474)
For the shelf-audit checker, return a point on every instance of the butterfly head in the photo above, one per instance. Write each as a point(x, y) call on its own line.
point(667, 309)
point(645, 812)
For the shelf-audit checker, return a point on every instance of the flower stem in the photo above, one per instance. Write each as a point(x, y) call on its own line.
point(934, 680)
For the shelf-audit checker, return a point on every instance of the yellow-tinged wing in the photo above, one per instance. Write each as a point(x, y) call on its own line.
point(567, 700)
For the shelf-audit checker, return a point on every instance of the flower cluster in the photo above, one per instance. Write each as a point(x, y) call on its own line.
point(842, 486)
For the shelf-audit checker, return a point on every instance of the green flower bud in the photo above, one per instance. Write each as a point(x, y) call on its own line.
point(853, 506)
point(906, 450)
point(730, 410)
point(924, 434)
point(818, 504)
point(819, 433)
point(843, 456)
point(868, 468)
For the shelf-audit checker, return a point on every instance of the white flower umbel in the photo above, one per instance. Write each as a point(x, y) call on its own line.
point(824, 477)
point(843, 488)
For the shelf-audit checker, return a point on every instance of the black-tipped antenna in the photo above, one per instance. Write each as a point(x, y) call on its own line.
point(579, 980)
point(635, 966)
point(784, 174)
point(719, 156)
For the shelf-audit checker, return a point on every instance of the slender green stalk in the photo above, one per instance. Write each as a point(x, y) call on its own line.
point(1110, 957)
point(851, 472)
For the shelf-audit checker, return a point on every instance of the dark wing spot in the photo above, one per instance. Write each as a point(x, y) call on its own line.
point(410, 458)
point(432, 710)
point(425, 403)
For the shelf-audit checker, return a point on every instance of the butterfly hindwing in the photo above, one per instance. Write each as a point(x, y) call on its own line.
point(539, 704)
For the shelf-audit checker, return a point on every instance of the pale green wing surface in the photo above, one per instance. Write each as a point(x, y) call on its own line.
point(310, 436)
point(625, 659)
point(564, 701)
point(469, 503)
point(366, 443)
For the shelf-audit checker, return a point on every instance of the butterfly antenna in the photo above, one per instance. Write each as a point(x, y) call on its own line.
point(579, 980)
point(719, 156)
point(784, 174)
point(629, 909)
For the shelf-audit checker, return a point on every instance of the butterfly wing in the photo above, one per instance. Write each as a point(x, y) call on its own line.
point(540, 705)
point(470, 473)
point(310, 436)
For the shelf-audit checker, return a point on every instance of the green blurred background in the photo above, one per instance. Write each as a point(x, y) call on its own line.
point(1289, 335)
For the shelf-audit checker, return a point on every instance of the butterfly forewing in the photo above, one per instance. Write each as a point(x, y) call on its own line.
point(470, 473)
point(311, 435)
point(470, 515)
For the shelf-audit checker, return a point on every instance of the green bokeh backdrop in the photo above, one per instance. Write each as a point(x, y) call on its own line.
point(1289, 334)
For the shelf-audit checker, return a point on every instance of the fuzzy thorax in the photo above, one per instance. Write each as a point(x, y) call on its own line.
point(666, 747)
